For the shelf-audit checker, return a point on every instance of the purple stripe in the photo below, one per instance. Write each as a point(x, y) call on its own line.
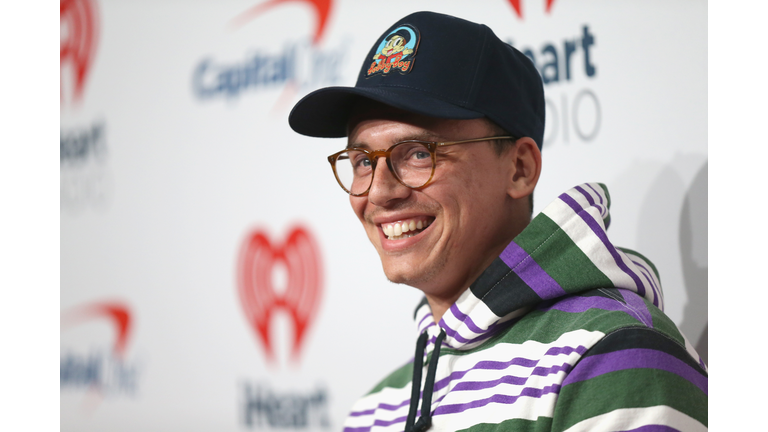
point(464, 318)
point(635, 358)
point(422, 320)
point(602, 236)
point(603, 209)
point(530, 272)
point(381, 406)
point(581, 349)
point(486, 365)
point(501, 399)
point(599, 195)
point(484, 334)
point(499, 365)
point(582, 304)
point(591, 200)
point(464, 342)
point(431, 344)
point(431, 341)
point(647, 274)
point(636, 303)
point(511, 379)
point(654, 428)
point(376, 423)
point(588, 196)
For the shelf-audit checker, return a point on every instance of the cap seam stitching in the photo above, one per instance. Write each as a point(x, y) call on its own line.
point(483, 54)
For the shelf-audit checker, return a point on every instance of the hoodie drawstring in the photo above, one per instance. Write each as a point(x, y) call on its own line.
point(425, 421)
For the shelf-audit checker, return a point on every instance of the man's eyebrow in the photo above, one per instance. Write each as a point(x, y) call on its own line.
point(420, 136)
point(356, 145)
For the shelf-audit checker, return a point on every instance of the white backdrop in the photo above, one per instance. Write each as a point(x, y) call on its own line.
point(178, 147)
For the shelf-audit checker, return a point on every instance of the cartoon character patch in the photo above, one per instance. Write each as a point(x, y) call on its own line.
point(396, 51)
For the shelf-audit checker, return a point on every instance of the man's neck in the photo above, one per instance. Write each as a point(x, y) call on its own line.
point(439, 306)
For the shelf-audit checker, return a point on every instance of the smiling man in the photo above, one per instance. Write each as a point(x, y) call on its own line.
point(527, 324)
point(470, 211)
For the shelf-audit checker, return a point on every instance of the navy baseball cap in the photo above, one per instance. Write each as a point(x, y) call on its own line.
point(439, 66)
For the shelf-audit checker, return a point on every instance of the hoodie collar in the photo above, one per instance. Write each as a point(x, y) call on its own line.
point(563, 251)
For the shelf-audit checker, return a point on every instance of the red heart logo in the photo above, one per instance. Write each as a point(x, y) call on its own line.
point(78, 44)
point(301, 296)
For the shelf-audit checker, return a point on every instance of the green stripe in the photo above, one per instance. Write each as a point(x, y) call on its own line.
point(397, 379)
point(548, 326)
point(664, 324)
point(518, 425)
point(559, 256)
point(631, 388)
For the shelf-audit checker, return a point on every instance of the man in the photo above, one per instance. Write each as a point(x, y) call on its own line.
point(527, 324)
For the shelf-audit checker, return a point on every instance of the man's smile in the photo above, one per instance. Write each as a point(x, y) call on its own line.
point(406, 228)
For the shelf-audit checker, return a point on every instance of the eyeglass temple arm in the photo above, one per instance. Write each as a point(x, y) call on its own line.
point(449, 143)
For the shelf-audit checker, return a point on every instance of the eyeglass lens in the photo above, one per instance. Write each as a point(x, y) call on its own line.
point(411, 163)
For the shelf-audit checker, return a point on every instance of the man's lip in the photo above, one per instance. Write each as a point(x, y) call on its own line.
point(403, 244)
point(381, 220)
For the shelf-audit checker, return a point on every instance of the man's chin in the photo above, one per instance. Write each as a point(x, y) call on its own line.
point(420, 278)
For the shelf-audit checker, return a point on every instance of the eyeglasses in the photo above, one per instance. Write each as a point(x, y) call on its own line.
point(411, 162)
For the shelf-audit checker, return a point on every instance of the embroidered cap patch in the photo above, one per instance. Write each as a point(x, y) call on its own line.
point(396, 51)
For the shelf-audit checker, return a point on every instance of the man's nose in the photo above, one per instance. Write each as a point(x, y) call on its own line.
point(385, 189)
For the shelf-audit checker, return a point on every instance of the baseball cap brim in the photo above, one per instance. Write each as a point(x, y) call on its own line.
point(325, 112)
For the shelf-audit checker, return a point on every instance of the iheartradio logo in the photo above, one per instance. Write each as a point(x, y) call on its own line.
point(258, 262)
point(79, 33)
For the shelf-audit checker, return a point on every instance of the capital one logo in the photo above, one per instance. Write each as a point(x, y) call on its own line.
point(79, 30)
point(259, 259)
point(115, 313)
point(299, 66)
point(321, 7)
point(99, 372)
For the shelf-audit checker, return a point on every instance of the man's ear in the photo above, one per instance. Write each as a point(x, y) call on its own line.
point(526, 160)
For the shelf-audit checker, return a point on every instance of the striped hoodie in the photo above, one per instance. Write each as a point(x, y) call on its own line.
point(562, 332)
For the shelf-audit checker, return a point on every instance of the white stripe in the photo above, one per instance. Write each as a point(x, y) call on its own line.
point(594, 249)
point(502, 352)
point(619, 277)
point(508, 317)
point(505, 352)
point(599, 199)
point(424, 317)
point(643, 268)
point(527, 408)
point(480, 314)
point(524, 407)
point(633, 418)
point(593, 210)
point(387, 395)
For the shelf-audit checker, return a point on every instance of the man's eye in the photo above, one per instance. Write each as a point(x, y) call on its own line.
point(417, 154)
point(361, 162)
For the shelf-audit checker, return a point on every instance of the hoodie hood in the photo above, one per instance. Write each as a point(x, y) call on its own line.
point(563, 251)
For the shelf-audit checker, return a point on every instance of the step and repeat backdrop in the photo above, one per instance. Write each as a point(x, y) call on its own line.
point(213, 276)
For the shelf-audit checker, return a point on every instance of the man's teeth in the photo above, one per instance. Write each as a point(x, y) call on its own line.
point(398, 230)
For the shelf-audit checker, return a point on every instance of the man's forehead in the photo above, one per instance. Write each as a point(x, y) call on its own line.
point(367, 113)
